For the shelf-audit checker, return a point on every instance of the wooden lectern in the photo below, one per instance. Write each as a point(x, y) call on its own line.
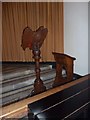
point(34, 40)
point(64, 68)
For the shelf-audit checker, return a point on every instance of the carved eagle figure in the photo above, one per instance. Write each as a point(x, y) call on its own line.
point(33, 39)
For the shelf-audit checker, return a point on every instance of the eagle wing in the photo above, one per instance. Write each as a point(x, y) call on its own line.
point(27, 38)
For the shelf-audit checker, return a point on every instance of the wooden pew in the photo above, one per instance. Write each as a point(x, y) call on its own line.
point(70, 103)
point(64, 64)
point(20, 108)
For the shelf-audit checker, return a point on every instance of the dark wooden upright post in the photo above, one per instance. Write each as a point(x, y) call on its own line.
point(34, 40)
point(38, 84)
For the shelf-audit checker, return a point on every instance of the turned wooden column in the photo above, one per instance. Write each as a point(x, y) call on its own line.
point(38, 84)
point(34, 40)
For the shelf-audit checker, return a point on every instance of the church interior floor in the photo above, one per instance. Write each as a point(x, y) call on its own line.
point(18, 79)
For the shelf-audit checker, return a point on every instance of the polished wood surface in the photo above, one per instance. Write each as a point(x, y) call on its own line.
point(63, 104)
point(15, 110)
point(63, 63)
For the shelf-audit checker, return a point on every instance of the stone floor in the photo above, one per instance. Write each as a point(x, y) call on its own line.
point(18, 79)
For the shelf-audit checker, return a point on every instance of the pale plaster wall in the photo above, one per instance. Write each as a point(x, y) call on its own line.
point(76, 34)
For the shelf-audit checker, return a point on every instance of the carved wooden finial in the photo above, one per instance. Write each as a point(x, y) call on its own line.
point(33, 39)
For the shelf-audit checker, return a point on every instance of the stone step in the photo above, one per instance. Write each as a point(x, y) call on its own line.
point(15, 92)
point(21, 70)
point(24, 81)
point(18, 80)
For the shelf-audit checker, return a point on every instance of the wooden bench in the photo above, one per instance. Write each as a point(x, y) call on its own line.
point(72, 102)
point(20, 108)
